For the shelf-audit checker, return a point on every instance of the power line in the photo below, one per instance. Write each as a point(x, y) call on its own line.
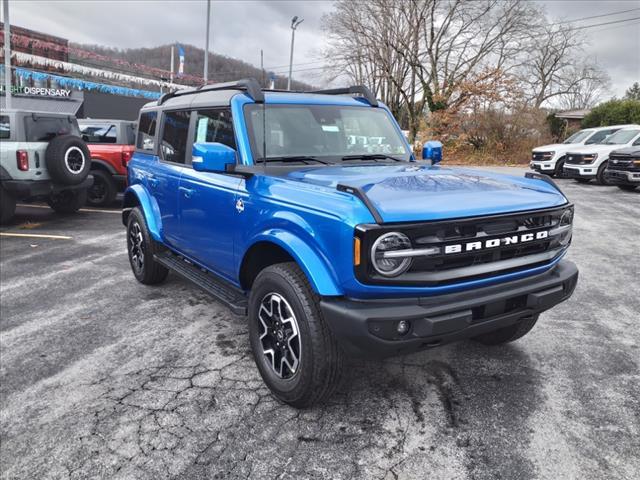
point(595, 16)
point(604, 23)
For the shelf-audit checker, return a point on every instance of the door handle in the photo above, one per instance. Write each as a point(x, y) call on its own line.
point(153, 181)
point(187, 192)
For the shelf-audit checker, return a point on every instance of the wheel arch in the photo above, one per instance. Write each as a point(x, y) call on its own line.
point(98, 164)
point(278, 246)
point(137, 196)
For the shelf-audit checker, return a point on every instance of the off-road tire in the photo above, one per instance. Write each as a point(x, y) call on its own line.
point(68, 159)
point(559, 170)
point(7, 206)
point(600, 176)
point(321, 358)
point(508, 334)
point(628, 188)
point(67, 201)
point(103, 191)
point(149, 272)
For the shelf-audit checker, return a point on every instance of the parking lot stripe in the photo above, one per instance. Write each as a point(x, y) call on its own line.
point(35, 235)
point(81, 210)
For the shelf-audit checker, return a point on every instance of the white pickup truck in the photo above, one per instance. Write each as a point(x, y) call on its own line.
point(42, 157)
point(550, 159)
point(590, 161)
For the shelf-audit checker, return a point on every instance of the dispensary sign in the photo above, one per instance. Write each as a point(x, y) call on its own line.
point(38, 91)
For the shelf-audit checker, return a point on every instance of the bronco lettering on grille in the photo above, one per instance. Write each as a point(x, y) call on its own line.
point(495, 242)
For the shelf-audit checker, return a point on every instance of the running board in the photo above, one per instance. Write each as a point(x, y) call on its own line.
point(232, 297)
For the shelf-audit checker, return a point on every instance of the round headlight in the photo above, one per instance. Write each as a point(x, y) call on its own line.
point(386, 265)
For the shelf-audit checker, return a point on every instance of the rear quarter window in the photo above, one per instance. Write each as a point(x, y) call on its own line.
point(147, 131)
point(5, 127)
point(44, 129)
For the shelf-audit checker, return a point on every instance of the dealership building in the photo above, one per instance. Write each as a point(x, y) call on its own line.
point(43, 78)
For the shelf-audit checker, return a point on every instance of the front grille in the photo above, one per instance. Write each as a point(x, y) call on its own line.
point(540, 156)
point(578, 159)
point(623, 162)
point(456, 262)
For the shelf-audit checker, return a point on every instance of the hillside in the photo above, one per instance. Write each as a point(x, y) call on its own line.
point(221, 68)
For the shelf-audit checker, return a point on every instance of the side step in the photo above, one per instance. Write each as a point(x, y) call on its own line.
point(231, 296)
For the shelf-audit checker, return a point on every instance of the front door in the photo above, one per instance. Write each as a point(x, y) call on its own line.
point(207, 201)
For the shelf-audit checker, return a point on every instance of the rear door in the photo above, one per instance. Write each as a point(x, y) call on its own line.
point(163, 180)
point(207, 200)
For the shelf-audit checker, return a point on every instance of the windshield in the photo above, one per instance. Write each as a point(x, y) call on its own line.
point(621, 137)
point(99, 133)
point(578, 137)
point(326, 132)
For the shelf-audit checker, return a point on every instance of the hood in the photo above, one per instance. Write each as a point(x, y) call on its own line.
point(413, 192)
point(595, 148)
point(553, 147)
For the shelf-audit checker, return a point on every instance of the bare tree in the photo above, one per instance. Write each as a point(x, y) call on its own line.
point(556, 69)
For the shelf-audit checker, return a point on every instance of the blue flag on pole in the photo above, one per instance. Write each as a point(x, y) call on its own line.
point(180, 61)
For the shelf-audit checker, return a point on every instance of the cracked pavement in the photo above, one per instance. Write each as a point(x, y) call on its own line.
point(102, 377)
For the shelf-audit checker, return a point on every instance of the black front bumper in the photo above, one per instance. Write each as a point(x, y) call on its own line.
point(622, 177)
point(368, 327)
point(27, 189)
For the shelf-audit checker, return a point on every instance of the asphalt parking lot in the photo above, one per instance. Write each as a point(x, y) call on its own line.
point(102, 377)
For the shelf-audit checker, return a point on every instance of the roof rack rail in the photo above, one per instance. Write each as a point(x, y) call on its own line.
point(361, 89)
point(250, 85)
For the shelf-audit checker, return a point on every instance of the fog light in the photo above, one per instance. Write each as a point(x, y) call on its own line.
point(403, 327)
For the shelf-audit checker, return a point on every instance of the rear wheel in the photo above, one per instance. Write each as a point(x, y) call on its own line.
point(600, 176)
point(141, 247)
point(628, 188)
point(295, 351)
point(103, 191)
point(7, 206)
point(67, 201)
point(508, 334)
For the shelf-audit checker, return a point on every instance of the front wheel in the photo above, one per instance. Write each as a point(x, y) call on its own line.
point(296, 353)
point(141, 248)
point(67, 201)
point(601, 176)
point(508, 334)
point(559, 171)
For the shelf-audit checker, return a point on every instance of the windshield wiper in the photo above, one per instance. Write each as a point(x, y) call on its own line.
point(293, 158)
point(371, 156)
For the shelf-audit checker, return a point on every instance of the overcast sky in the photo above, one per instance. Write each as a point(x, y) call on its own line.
point(241, 28)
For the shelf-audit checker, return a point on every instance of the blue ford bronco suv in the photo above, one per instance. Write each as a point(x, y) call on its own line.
point(308, 213)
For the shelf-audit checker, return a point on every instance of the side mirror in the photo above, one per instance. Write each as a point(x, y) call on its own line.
point(432, 150)
point(212, 157)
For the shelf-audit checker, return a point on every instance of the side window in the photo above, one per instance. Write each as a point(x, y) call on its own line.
point(147, 131)
point(215, 126)
point(5, 129)
point(637, 142)
point(600, 136)
point(175, 131)
point(99, 133)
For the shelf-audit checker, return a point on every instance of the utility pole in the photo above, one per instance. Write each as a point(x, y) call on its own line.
point(172, 49)
point(206, 47)
point(7, 53)
point(294, 24)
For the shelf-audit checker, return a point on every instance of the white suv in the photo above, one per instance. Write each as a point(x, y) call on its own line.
point(590, 161)
point(550, 159)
